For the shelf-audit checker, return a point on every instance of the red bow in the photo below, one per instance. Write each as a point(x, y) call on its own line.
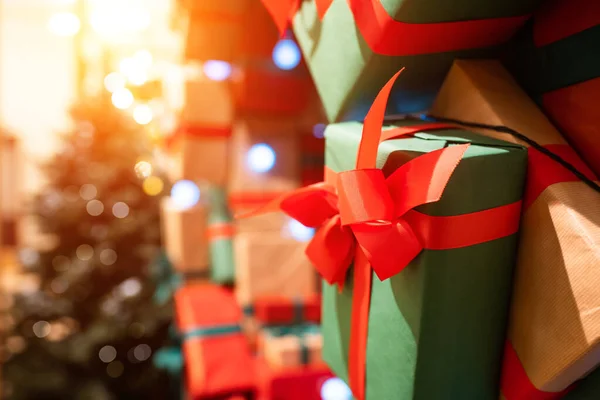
point(372, 211)
point(283, 11)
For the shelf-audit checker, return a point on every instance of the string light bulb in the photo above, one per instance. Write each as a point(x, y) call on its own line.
point(261, 158)
point(286, 54)
point(122, 98)
point(335, 389)
point(217, 70)
point(299, 232)
point(185, 194)
point(142, 114)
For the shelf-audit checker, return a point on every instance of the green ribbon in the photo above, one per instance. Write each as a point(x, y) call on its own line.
point(211, 331)
point(298, 330)
point(298, 311)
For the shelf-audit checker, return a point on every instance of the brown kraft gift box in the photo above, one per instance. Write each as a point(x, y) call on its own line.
point(184, 236)
point(554, 327)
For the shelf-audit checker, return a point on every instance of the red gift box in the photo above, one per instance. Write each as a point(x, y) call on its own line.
point(278, 310)
point(217, 358)
point(302, 383)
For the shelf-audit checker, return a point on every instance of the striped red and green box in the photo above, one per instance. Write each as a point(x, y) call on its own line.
point(278, 310)
point(556, 59)
point(357, 45)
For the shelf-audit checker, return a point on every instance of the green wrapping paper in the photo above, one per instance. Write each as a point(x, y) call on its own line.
point(220, 232)
point(436, 330)
point(347, 73)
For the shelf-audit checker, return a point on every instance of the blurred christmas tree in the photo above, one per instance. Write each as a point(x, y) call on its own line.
point(88, 326)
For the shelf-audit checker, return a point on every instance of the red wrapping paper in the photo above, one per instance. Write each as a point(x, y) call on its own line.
point(275, 310)
point(216, 366)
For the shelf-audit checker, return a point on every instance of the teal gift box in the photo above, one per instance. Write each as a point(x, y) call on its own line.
point(436, 330)
point(220, 234)
point(358, 44)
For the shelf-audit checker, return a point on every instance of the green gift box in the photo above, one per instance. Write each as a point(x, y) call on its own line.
point(436, 330)
point(358, 44)
point(220, 233)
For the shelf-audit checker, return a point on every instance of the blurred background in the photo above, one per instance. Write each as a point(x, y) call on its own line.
point(89, 90)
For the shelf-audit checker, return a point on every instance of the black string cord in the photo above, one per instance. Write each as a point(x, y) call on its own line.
point(520, 136)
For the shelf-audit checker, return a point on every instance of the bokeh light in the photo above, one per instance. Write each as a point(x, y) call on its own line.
point(142, 352)
point(122, 98)
point(59, 285)
point(107, 354)
point(94, 207)
point(300, 232)
point(143, 169)
point(120, 210)
point(108, 257)
point(114, 81)
point(130, 287)
point(261, 158)
point(335, 389)
point(64, 24)
point(41, 329)
point(84, 252)
point(88, 191)
point(286, 54)
point(217, 70)
point(142, 114)
point(153, 186)
point(319, 131)
point(185, 194)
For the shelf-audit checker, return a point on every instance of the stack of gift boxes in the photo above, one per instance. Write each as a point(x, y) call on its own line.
point(457, 224)
point(246, 302)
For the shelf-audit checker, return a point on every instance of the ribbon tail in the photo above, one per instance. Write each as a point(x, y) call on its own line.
point(322, 7)
point(281, 11)
point(367, 149)
point(423, 179)
point(359, 323)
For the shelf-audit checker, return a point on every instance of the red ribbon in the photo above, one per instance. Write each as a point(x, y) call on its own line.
point(369, 220)
point(283, 11)
point(223, 230)
point(386, 36)
point(197, 131)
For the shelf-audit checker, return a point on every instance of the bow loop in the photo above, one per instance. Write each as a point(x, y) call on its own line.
point(364, 197)
point(331, 251)
point(311, 206)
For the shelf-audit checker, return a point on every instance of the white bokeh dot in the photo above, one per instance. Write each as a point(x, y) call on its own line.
point(108, 256)
point(41, 329)
point(335, 389)
point(130, 287)
point(94, 207)
point(85, 252)
point(142, 352)
point(107, 354)
point(88, 191)
point(120, 210)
